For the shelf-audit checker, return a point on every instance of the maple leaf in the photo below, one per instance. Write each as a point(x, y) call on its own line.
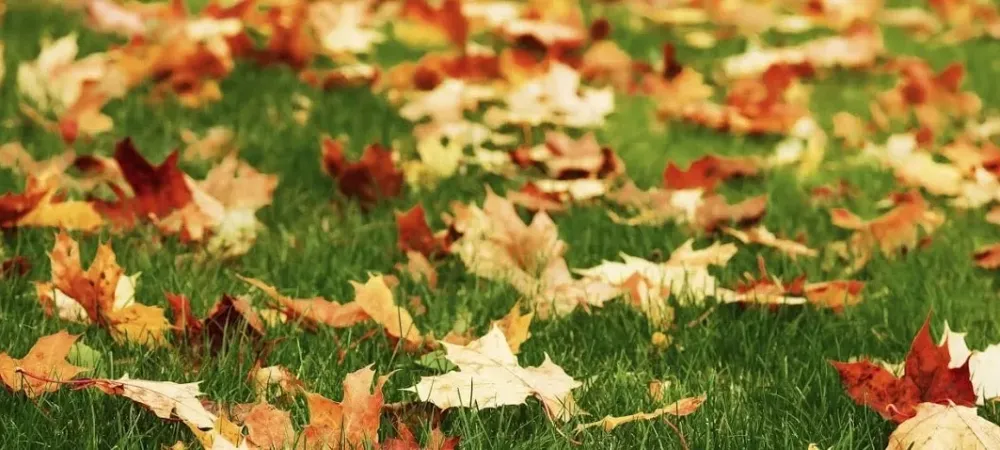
point(158, 190)
point(761, 235)
point(680, 408)
point(415, 235)
point(982, 364)
point(858, 49)
point(771, 291)
point(45, 365)
point(515, 327)
point(754, 105)
point(685, 276)
point(228, 315)
point(708, 171)
point(374, 176)
point(102, 295)
point(554, 97)
point(565, 158)
point(73, 90)
point(269, 427)
point(354, 421)
point(375, 299)
point(895, 231)
point(223, 206)
point(343, 28)
point(927, 378)
point(316, 310)
point(163, 398)
point(495, 244)
point(13, 207)
point(937, 426)
point(489, 376)
point(408, 441)
point(934, 98)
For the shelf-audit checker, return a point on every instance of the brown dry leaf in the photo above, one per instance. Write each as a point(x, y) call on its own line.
point(43, 368)
point(761, 235)
point(316, 310)
point(376, 300)
point(714, 212)
point(679, 408)
point(269, 428)
point(897, 230)
point(353, 421)
point(230, 315)
point(657, 390)
point(515, 327)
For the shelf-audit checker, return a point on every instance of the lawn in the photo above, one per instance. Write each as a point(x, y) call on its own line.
point(765, 371)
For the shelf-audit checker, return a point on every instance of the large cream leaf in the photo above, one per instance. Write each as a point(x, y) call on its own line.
point(945, 427)
point(489, 376)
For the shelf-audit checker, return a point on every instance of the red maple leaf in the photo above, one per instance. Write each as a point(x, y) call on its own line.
point(707, 172)
point(15, 206)
point(158, 190)
point(416, 235)
point(927, 378)
point(372, 177)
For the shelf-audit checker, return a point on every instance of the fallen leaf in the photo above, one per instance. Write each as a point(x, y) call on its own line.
point(679, 408)
point(102, 295)
point(982, 364)
point(269, 428)
point(761, 235)
point(936, 426)
point(988, 257)
point(158, 190)
point(45, 365)
point(316, 310)
point(708, 171)
point(163, 398)
point(489, 376)
point(515, 327)
point(927, 378)
point(376, 300)
point(353, 421)
point(415, 235)
point(374, 176)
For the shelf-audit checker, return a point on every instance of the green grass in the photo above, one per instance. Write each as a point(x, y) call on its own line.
point(766, 374)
